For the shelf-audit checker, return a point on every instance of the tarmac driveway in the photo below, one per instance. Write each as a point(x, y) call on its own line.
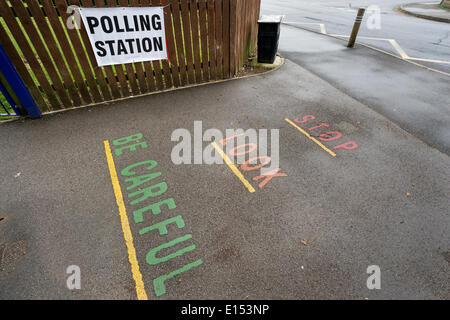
point(196, 231)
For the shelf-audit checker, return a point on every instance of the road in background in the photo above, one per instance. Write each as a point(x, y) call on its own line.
point(413, 97)
point(419, 38)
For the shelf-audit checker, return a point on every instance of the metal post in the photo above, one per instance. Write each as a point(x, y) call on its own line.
point(356, 26)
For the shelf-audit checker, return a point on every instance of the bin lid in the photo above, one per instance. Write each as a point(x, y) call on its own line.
point(270, 19)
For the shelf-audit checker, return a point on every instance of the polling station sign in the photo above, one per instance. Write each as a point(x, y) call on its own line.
point(125, 35)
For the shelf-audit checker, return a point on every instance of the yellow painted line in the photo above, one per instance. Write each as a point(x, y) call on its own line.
point(137, 276)
point(311, 138)
point(233, 168)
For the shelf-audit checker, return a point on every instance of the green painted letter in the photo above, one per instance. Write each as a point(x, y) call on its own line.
point(151, 255)
point(126, 172)
point(154, 208)
point(121, 141)
point(162, 226)
point(148, 192)
point(132, 147)
point(158, 283)
point(140, 180)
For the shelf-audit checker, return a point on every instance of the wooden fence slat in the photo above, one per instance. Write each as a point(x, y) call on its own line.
point(54, 52)
point(131, 75)
point(61, 6)
point(139, 65)
point(125, 83)
point(238, 36)
point(204, 38)
point(112, 81)
point(53, 17)
point(243, 36)
point(44, 57)
point(148, 69)
point(219, 38)
point(176, 14)
point(172, 54)
point(257, 17)
point(124, 88)
point(195, 39)
point(167, 74)
point(165, 63)
point(211, 38)
point(98, 72)
point(237, 52)
point(158, 74)
point(226, 38)
point(81, 37)
point(24, 46)
point(241, 21)
point(17, 61)
point(157, 68)
point(187, 40)
point(234, 30)
point(149, 76)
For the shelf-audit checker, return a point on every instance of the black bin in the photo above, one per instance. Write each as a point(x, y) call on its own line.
point(268, 38)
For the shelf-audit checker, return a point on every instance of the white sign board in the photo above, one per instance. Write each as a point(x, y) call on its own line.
point(127, 34)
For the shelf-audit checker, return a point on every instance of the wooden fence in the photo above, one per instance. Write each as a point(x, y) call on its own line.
point(207, 40)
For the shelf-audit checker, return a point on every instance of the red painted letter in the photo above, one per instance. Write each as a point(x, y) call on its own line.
point(305, 119)
point(246, 166)
point(269, 176)
point(252, 148)
point(322, 125)
point(347, 146)
point(324, 136)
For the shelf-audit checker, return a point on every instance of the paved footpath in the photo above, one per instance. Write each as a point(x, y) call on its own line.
point(310, 233)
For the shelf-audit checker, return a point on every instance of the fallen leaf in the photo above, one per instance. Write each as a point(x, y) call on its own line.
point(408, 194)
point(304, 241)
point(246, 298)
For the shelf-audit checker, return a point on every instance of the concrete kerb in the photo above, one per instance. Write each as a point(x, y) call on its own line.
point(279, 62)
point(405, 9)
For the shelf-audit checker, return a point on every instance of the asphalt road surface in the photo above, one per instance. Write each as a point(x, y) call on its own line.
point(415, 98)
point(310, 233)
point(417, 38)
